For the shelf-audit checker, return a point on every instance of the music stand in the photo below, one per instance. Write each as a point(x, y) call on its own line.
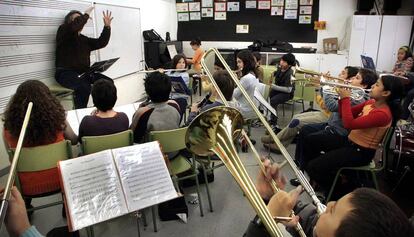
point(100, 66)
point(179, 85)
point(368, 62)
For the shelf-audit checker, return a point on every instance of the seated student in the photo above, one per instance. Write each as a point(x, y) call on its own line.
point(47, 125)
point(226, 85)
point(179, 62)
point(316, 136)
point(283, 88)
point(158, 114)
point(404, 62)
point(105, 120)
point(327, 103)
point(367, 122)
point(361, 213)
point(259, 71)
point(246, 64)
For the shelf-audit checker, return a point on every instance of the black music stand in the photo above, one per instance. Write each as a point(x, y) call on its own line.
point(99, 67)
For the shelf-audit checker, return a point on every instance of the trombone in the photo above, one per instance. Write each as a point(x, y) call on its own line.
point(224, 126)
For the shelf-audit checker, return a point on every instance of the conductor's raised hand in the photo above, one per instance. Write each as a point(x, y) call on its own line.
point(107, 18)
point(272, 172)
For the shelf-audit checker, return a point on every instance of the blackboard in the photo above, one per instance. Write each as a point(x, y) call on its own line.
point(262, 26)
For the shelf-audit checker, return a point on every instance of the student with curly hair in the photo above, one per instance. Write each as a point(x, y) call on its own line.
point(47, 125)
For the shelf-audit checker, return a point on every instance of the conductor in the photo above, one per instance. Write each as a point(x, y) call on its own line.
point(73, 54)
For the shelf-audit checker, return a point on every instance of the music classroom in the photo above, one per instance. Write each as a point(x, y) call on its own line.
point(250, 118)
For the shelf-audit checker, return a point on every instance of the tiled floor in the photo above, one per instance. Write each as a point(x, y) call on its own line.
point(232, 212)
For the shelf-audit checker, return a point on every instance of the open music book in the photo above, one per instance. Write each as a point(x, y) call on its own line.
point(112, 183)
point(74, 117)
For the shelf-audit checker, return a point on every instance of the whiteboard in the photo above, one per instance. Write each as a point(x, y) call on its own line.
point(125, 41)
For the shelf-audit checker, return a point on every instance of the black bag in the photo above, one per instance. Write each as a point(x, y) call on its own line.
point(169, 210)
point(151, 35)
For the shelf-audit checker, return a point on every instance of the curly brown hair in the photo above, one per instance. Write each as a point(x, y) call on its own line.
point(47, 118)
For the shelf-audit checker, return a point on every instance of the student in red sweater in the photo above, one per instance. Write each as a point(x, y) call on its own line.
point(367, 122)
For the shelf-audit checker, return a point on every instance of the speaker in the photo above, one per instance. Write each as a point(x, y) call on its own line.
point(364, 6)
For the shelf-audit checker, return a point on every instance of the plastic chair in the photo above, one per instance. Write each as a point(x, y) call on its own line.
point(62, 93)
point(40, 158)
point(374, 167)
point(173, 141)
point(92, 144)
point(297, 98)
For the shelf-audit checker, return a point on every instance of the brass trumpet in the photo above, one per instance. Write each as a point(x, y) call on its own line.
point(318, 74)
point(219, 132)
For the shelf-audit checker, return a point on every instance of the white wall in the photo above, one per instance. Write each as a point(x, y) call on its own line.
point(335, 12)
point(155, 14)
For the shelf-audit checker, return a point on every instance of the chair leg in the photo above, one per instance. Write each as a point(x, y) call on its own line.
point(154, 218)
point(293, 108)
point(283, 109)
point(144, 219)
point(138, 229)
point(303, 106)
point(207, 188)
point(195, 171)
point(374, 179)
point(89, 231)
point(333, 186)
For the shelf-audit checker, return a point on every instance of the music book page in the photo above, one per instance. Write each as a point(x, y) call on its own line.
point(84, 112)
point(128, 109)
point(72, 119)
point(111, 183)
point(144, 175)
point(92, 189)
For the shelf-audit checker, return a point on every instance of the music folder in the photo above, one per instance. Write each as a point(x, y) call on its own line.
point(112, 183)
point(100, 66)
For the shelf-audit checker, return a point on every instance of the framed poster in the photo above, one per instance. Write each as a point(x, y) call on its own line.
point(181, 7)
point(279, 3)
point(305, 10)
point(220, 6)
point(183, 16)
point(206, 3)
point(233, 6)
point(291, 4)
point(276, 11)
point(207, 12)
point(220, 16)
point(251, 4)
point(195, 16)
point(263, 5)
point(305, 19)
point(291, 14)
point(194, 6)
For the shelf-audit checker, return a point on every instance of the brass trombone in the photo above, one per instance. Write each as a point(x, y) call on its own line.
point(218, 138)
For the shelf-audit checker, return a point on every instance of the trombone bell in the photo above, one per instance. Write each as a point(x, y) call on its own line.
point(202, 132)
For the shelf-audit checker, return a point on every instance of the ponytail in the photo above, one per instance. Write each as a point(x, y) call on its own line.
point(395, 87)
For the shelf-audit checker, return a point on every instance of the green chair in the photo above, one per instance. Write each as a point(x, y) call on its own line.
point(374, 167)
point(173, 141)
point(62, 93)
point(40, 158)
point(297, 98)
point(92, 144)
point(268, 71)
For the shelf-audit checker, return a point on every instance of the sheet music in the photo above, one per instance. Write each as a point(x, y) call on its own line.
point(84, 112)
point(136, 105)
point(262, 101)
point(92, 189)
point(72, 119)
point(144, 175)
point(128, 109)
point(172, 50)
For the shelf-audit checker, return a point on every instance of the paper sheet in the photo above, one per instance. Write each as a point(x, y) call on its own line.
point(144, 175)
point(73, 121)
point(128, 109)
point(92, 189)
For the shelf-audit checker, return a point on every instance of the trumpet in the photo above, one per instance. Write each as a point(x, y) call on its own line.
point(330, 87)
point(217, 128)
